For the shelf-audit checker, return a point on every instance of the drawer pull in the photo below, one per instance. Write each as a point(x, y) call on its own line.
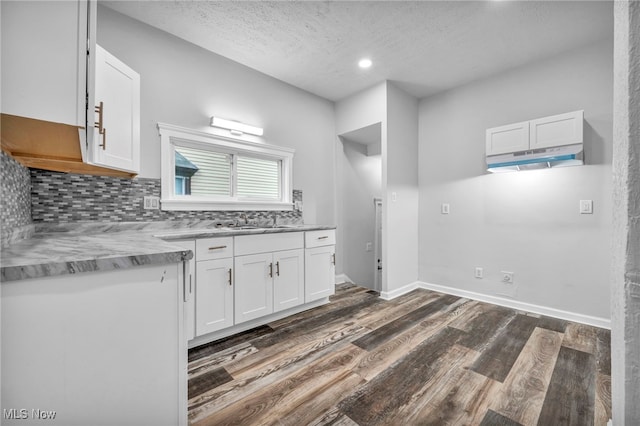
point(229, 276)
point(217, 248)
point(324, 237)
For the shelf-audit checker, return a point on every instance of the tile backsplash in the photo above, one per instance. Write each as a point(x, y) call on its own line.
point(62, 197)
point(15, 194)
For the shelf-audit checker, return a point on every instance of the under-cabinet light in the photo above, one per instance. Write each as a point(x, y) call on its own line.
point(236, 127)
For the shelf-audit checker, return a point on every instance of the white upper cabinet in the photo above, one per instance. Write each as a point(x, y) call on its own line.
point(556, 130)
point(509, 138)
point(116, 131)
point(44, 48)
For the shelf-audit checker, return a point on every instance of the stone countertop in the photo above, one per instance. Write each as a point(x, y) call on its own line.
point(76, 248)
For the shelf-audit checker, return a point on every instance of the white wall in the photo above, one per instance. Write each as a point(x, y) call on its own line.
point(526, 222)
point(184, 85)
point(361, 110)
point(400, 177)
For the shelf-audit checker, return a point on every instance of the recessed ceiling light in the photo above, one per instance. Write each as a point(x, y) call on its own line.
point(365, 63)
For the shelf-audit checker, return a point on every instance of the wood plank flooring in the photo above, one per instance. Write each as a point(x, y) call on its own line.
point(424, 358)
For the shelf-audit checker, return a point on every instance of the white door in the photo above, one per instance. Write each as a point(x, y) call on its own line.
point(116, 139)
point(319, 272)
point(288, 280)
point(254, 286)
point(378, 245)
point(214, 295)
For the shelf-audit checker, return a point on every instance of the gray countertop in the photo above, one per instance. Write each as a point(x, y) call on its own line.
point(84, 247)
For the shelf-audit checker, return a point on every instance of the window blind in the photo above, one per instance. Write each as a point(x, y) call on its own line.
point(214, 172)
point(258, 178)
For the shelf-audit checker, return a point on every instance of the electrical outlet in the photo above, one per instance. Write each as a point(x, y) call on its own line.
point(369, 246)
point(478, 273)
point(507, 277)
point(444, 208)
point(151, 202)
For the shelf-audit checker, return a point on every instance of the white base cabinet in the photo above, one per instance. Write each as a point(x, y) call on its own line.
point(320, 273)
point(98, 348)
point(254, 286)
point(214, 295)
point(288, 280)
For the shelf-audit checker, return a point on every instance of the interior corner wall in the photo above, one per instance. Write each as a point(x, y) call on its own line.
point(184, 85)
point(355, 112)
point(625, 283)
point(400, 208)
point(528, 222)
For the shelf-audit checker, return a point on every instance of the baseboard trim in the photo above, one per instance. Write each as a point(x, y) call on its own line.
point(343, 278)
point(514, 304)
point(388, 295)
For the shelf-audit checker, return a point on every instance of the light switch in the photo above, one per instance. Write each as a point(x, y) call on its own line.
point(586, 206)
point(444, 208)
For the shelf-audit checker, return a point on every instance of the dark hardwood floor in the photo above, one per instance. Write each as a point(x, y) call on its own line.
point(424, 358)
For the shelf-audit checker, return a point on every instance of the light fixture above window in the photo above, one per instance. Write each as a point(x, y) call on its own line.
point(236, 128)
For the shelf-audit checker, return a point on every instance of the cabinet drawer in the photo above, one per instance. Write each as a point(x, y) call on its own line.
point(214, 248)
point(251, 244)
point(320, 238)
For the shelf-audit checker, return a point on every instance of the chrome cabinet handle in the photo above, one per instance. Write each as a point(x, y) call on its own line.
point(100, 123)
point(217, 248)
point(278, 268)
point(271, 270)
point(229, 276)
point(333, 257)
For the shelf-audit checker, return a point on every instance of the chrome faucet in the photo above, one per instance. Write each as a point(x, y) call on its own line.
point(244, 216)
point(275, 219)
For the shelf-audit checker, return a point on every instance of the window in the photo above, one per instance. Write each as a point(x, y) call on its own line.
point(202, 171)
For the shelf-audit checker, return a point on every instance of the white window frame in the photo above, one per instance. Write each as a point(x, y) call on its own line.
point(172, 136)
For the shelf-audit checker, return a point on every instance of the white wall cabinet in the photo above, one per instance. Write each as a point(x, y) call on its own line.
point(319, 265)
point(556, 130)
point(44, 65)
point(116, 136)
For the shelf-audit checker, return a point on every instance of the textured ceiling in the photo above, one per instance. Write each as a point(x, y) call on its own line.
point(424, 46)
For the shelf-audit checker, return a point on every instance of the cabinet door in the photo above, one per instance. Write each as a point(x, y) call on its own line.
point(557, 130)
point(254, 286)
point(44, 48)
point(190, 278)
point(319, 273)
point(288, 280)
point(214, 295)
point(117, 144)
point(506, 139)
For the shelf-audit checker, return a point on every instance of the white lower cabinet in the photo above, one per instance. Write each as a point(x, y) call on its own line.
point(214, 295)
point(319, 264)
point(320, 273)
point(189, 289)
point(254, 286)
point(288, 280)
